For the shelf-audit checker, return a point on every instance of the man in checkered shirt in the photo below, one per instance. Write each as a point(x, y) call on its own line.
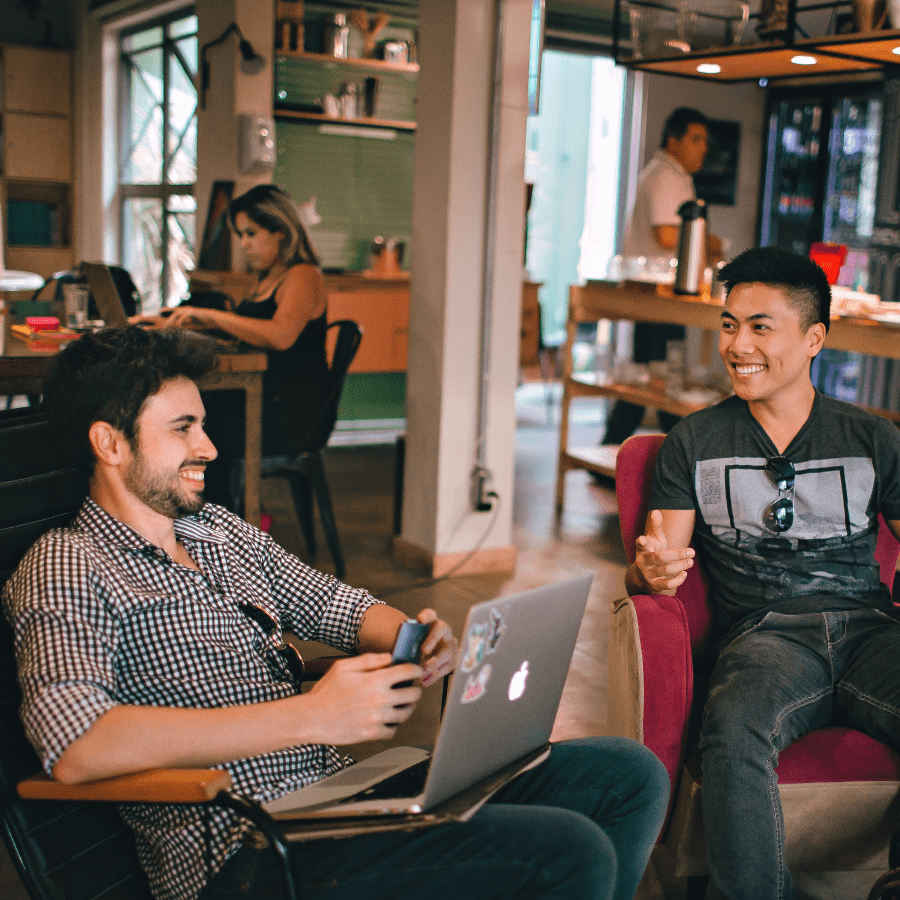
point(148, 635)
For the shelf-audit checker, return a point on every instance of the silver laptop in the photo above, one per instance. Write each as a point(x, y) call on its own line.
point(109, 303)
point(501, 704)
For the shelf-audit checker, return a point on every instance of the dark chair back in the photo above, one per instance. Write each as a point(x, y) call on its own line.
point(349, 335)
point(37, 493)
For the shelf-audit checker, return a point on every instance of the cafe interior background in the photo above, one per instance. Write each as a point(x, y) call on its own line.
point(464, 132)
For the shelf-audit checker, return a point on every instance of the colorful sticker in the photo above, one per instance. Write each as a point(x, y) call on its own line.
point(498, 628)
point(476, 685)
point(475, 642)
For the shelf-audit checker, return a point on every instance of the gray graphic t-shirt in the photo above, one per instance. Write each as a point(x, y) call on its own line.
point(847, 465)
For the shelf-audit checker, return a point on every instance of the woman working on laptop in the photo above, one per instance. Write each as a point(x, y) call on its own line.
point(285, 315)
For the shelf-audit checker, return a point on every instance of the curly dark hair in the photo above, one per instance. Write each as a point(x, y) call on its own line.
point(107, 376)
point(802, 281)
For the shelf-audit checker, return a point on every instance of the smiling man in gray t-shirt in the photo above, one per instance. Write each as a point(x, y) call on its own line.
point(781, 488)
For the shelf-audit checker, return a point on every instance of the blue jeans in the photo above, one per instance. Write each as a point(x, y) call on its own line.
point(581, 825)
point(779, 679)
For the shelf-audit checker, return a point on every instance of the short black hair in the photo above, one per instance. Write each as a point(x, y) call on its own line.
point(802, 280)
point(107, 376)
point(676, 125)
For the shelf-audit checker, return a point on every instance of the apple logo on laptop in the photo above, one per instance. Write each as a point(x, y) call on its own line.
point(517, 682)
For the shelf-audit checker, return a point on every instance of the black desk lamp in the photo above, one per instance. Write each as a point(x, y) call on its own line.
point(251, 62)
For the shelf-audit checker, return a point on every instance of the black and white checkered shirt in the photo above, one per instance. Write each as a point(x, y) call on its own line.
point(102, 617)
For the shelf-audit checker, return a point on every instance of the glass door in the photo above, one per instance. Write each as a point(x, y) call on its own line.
point(790, 204)
point(849, 209)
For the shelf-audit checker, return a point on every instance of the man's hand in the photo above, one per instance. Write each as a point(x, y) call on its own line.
point(656, 568)
point(438, 648)
point(357, 701)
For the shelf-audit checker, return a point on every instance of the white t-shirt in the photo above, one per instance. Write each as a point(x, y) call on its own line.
point(662, 187)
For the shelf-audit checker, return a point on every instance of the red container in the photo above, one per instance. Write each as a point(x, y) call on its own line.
point(830, 257)
point(42, 323)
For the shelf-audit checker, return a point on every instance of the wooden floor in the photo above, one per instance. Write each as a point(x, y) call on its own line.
point(586, 538)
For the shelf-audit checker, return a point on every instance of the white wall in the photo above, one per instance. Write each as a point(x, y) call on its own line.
point(744, 103)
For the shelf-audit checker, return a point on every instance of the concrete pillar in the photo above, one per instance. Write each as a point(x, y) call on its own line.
point(230, 94)
point(449, 282)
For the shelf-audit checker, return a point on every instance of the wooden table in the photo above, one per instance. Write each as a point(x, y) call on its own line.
point(636, 302)
point(22, 371)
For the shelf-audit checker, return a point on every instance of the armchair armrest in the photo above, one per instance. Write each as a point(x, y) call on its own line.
point(651, 681)
point(151, 786)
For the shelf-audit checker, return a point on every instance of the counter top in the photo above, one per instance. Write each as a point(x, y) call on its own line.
point(639, 302)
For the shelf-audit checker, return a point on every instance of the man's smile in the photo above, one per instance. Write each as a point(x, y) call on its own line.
point(748, 368)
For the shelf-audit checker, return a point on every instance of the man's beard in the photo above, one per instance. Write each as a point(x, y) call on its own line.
point(159, 492)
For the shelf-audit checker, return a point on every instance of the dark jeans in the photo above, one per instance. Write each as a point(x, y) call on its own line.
point(579, 826)
point(779, 679)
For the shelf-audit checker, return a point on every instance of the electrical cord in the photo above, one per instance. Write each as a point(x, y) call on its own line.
point(451, 571)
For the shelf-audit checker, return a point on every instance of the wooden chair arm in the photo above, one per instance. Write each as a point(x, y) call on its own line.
point(150, 786)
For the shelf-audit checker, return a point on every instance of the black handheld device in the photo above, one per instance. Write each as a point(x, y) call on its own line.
point(408, 646)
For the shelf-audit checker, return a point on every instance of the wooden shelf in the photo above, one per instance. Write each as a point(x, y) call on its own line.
point(371, 65)
point(399, 125)
point(601, 459)
point(652, 394)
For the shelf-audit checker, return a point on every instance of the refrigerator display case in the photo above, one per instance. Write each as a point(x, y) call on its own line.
point(821, 172)
point(820, 184)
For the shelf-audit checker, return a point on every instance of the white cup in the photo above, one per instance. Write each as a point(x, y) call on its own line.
point(75, 297)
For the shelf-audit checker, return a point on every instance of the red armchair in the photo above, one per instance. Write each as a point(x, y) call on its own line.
point(840, 789)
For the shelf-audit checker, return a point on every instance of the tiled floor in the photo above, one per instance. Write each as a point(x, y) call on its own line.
point(586, 538)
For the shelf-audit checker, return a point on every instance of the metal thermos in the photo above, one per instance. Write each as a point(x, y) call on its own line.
point(691, 247)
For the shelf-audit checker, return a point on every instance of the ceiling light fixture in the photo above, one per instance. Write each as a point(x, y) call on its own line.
point(804, 60)
point(709, 68)
point(896, 51)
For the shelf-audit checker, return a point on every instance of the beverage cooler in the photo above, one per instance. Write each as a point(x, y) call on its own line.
point(819, 184)
point(821, 172)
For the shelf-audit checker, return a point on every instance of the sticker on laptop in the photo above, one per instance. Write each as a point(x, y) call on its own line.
point(497, 628)
point(476, 686)
point(475, 641)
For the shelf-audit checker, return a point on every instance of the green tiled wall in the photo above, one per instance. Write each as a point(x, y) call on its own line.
point(374, 396)
point(363, 186)
point(362, 181)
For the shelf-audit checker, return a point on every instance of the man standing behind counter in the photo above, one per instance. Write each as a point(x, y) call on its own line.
point(664, 185)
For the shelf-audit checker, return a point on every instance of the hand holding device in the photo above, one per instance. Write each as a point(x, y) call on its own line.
point(408, 646)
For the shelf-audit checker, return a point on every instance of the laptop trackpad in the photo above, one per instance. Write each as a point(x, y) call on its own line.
point(349, 781)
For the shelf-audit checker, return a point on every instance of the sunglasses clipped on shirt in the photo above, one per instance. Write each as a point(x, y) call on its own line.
point(292, 661)
point(778, 516)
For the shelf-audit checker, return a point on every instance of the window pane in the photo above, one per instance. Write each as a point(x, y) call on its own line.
point(182, 135)
point(142, 239)
point(183, 166)
point(143, 158)
point(150, 37)
point(182, 27)
point(159, 141)
point(182, 222)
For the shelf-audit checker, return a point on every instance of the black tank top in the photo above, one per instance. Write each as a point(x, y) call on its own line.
point(295, 383)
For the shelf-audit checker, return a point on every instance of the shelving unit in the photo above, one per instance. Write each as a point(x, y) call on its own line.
point(285, 113)
point(36, 188)
point(372, 65)
point(304, 78)
point(866, 51)
point(587, 305)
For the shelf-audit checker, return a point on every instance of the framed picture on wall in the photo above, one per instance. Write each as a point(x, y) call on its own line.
point(215, 251)
point(716, 182)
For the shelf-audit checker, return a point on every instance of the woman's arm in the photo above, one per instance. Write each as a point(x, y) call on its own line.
point(299, 298)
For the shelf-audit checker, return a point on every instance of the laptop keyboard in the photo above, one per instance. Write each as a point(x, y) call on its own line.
point(409, 782)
